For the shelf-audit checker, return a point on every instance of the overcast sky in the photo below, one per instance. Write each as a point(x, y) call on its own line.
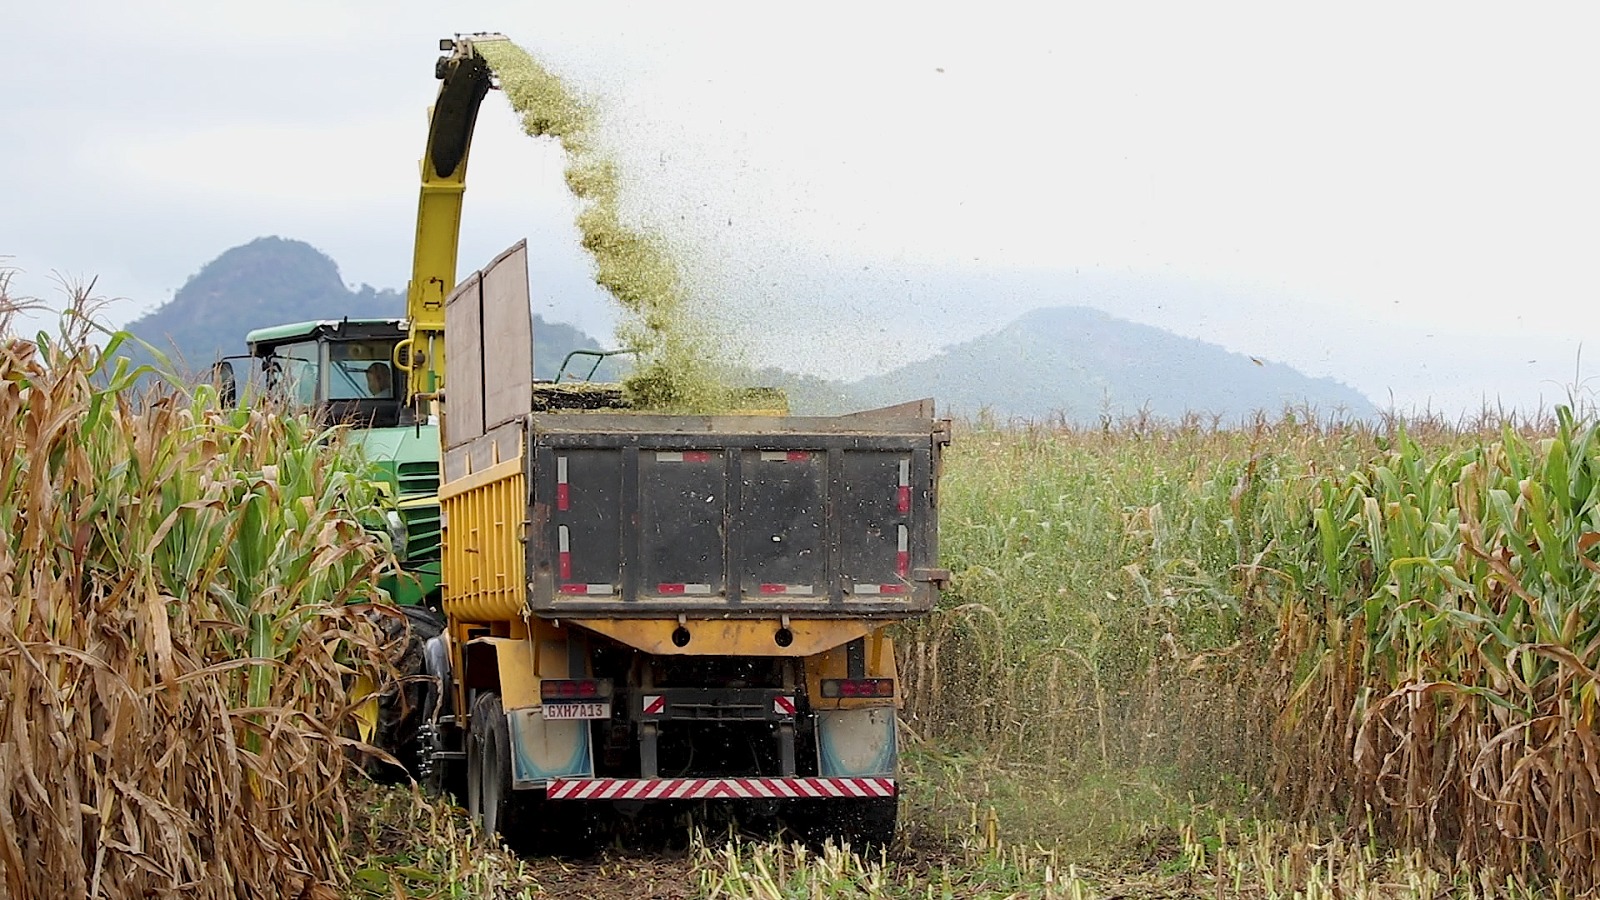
point(1400, 196)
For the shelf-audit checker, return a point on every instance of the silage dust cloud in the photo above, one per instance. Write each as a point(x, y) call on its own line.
point(675, 370)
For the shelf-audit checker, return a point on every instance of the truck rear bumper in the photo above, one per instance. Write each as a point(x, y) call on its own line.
point(718, 788)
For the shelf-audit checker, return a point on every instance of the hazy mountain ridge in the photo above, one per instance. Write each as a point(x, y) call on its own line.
point(1068, 362)
point(275, 281)
point(1080, 364)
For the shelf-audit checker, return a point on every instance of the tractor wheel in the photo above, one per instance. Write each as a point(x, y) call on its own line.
point(400, 708)
point(489, 796)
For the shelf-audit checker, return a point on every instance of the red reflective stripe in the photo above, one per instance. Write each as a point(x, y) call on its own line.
point(669, 588)
point(561, 496)
point(891, 589)
point(574, 589)
point(710, 788)
point(774, 588)
point(693, 456)
point(566, 565)
point(798, 456)
point(902, 562)
point(903, 505)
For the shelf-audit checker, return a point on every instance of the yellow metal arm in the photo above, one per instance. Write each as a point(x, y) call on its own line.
point(464, 80)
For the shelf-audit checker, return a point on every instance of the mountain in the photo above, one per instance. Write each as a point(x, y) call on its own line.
point(1069, 362)
point(275, 281)
point(269, 281)
point(1081, 364)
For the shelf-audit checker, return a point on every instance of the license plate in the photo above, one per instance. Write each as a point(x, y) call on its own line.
point(577, 710)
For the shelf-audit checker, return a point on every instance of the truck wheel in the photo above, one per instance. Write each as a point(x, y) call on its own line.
point(489, 795)
point(868, 824)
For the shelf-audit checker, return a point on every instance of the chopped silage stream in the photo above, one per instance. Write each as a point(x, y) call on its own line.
point(676, 369)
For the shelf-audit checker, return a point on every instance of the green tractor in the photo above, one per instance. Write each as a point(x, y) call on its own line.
point(344, 370)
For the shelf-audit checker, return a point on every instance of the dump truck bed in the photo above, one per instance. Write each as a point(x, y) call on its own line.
point(629, 515)
point(651, 515)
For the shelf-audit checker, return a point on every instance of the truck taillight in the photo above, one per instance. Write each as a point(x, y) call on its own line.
point(558, 689)
point(834, 688)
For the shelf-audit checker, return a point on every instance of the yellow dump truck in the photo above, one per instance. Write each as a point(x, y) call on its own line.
point(651, 608)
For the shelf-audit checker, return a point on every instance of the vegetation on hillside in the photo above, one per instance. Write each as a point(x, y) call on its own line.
point(1081, 365)
point(268, 281)
point(1070, 364)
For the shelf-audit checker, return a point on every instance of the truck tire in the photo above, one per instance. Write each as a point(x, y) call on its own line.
point(868, 824)
point(490, 799)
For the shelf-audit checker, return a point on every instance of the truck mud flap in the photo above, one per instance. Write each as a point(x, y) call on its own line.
point(719, 788)
point(542, 750)
point(854, 742)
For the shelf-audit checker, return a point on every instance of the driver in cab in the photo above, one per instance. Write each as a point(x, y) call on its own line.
point(380, 380)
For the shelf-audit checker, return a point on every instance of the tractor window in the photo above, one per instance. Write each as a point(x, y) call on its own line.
point(360, 370)
point(293, 369)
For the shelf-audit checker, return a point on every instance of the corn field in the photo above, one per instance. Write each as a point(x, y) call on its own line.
point(1392, 626)
point(1443, 635)
point(175, 639)
point(1390, 629)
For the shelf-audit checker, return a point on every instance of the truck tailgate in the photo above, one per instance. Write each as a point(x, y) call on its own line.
point(660, 515)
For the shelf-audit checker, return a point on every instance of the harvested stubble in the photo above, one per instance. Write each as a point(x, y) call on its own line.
point(175, 643)
point(408, 844)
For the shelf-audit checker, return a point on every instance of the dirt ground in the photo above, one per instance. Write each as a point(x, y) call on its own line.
point(417, 847)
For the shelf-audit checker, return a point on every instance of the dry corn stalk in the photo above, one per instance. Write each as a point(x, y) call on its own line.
point(175, 639)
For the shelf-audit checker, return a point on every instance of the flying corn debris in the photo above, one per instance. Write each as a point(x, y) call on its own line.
point(676, 372)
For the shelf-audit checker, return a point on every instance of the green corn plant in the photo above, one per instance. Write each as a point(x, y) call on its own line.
point(1463, 722)
point(174, 632)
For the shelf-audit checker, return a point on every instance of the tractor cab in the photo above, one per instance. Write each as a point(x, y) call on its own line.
point(344, 371)
point(343, 368)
